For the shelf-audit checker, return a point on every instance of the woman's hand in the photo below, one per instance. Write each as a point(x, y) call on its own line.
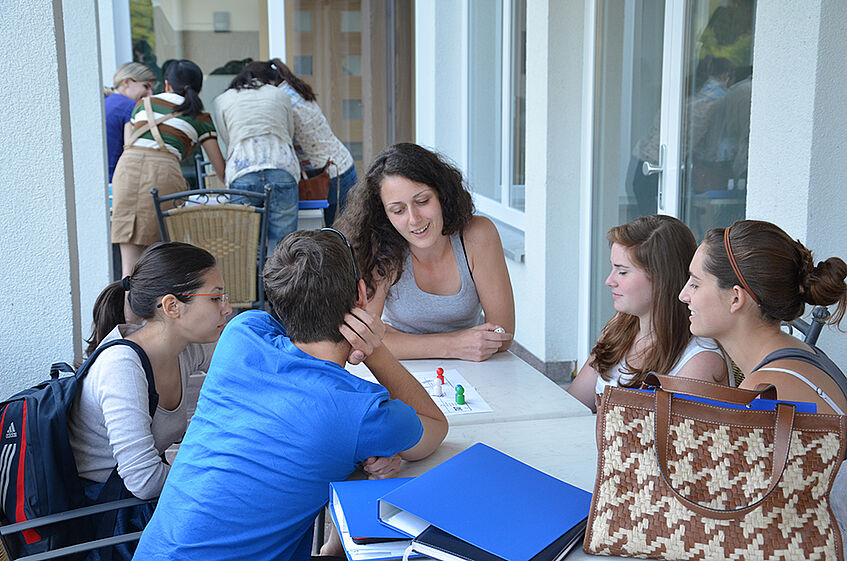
point(480, 342)
point(364, 331)
point(378, 467)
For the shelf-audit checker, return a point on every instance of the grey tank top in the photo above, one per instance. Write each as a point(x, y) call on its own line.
point(411, 310)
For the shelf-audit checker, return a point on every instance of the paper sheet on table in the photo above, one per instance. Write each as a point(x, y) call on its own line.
point(474, 403)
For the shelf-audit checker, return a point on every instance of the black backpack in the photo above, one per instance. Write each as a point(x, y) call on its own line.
point(38, 474)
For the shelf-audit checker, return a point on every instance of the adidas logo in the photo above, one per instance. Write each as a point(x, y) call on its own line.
point(11, 432)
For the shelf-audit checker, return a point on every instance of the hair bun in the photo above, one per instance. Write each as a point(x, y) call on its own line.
point(825, 283)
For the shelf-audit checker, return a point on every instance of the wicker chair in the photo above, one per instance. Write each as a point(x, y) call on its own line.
point(235, 234)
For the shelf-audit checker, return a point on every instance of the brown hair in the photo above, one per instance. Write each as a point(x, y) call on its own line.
point(255, 75)
point(301, 87)
point(379, 247)
point(164, 268)
point(662, 247)
point(309, 282)
point(780, 271)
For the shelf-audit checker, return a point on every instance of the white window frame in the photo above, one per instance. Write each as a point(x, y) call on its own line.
point(500, 210)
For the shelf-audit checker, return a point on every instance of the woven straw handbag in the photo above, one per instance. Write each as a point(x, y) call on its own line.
point(680, 479)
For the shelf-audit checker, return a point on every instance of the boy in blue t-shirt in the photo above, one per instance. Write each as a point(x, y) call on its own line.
point(278, 417)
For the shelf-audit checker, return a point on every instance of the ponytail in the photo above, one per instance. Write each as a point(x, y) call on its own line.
point(164, 268)
point(108, 312)
point(186, 79)
point(301, 87)
point(825, 285)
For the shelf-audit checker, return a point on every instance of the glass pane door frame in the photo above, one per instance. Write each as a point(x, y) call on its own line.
point(670, 132)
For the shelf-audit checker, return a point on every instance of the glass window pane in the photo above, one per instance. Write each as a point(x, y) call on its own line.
point(518, 109)
point(351, 21)
point(627, 101)
point(716, 113)
point(329, 58)
point(302, 21)
point(485, 91)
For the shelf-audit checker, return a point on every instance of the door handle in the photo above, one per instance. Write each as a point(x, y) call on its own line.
point(649, 169)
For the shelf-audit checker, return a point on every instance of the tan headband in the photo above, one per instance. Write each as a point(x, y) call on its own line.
point(735, 267)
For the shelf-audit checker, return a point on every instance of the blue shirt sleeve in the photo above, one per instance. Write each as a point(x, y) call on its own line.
point(389, 426)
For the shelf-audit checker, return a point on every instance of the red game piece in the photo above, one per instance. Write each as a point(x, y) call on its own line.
point(439, 374)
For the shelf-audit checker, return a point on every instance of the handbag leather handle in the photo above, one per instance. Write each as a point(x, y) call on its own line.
point(782, 439)
point(710, 390)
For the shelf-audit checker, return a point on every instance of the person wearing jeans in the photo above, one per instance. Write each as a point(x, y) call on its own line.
point(284, 206)
point(255, 122)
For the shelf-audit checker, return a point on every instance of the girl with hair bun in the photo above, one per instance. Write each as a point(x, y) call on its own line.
point(163, 129)
point(132, 81)
point(255, 122)
point(747, 279)
point(178, 291)
point(649, 331)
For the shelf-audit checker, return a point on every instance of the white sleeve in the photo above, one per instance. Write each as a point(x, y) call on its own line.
point(121, 390)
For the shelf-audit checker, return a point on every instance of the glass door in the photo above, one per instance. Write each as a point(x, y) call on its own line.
point(627, 123)
point(717, 76)
point(671, 120)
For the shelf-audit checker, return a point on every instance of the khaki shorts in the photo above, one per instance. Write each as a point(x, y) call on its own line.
point(138, 171)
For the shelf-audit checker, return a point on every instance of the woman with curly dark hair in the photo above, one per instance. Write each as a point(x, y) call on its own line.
point(432, 268)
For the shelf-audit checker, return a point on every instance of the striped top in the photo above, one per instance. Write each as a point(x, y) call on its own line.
point(180, 133)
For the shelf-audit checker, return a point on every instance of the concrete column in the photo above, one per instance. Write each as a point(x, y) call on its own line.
point(37, 276)
point(548, 309)
point(90, 178)
point(798, 119)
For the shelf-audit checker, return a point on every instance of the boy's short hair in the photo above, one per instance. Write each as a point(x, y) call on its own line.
point(310, 282)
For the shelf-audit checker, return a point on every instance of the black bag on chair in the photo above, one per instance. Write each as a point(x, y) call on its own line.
point(38, 474)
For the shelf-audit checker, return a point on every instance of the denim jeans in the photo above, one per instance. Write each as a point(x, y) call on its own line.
point(282, 215)
point(348, 179)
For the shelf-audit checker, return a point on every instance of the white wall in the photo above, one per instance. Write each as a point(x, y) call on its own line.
point(546, 286)
point(55, 178)
point(798, 119)
point(90, 179)
point(36, 309)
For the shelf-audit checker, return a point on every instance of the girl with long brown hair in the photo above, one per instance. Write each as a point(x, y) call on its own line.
point(649, 331)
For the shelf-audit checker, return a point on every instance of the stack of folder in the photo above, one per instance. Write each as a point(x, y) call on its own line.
point(480, 505)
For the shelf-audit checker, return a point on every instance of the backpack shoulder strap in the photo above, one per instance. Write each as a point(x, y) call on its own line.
point(151, 125)
point(153, 396)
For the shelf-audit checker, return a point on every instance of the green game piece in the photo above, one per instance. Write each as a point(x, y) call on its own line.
point(460, 395)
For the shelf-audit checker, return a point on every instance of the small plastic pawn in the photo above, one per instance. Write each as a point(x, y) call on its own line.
point(436, 390)
point(460, 395)
point(439, 375)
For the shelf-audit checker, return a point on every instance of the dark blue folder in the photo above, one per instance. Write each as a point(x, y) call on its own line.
point(489, 500)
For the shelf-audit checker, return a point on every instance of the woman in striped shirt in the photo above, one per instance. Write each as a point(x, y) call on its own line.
point(151, 158)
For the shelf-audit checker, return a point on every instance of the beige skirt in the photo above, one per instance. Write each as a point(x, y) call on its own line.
point(138, 171)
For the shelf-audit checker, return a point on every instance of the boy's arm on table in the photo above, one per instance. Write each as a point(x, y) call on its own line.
point(403, 386)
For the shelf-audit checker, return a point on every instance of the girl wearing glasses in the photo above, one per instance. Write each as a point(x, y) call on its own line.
point(433, 270)
point(178, 291)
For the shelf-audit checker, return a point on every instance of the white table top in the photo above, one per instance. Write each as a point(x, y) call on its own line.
point(514, 390)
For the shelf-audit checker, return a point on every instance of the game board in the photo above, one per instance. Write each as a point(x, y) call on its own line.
point(474, 403)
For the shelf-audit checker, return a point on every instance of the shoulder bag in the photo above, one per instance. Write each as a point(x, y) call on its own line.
point(680, 479)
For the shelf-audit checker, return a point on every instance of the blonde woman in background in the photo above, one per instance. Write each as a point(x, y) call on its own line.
point(132, 81)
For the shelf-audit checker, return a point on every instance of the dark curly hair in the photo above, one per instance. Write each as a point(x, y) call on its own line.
point(380, 249)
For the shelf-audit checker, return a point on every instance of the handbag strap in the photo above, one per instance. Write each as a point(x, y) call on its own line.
point(782, 439)
point(710, 390)
point(152, 125)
